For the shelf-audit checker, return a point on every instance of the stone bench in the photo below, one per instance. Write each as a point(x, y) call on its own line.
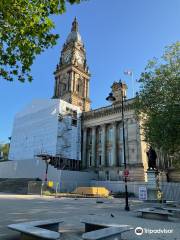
point(47, 229)
point(152, 213)
point(105, 233)
point(172, 203)
point(92, 223)
point(174, 211)
point(96, 229)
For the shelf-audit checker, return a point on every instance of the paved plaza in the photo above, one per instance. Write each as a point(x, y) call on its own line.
point(18, 208)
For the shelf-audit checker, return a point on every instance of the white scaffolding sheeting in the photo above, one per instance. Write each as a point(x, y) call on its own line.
point(46, 126)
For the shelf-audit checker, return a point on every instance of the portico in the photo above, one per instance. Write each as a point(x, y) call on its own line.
point(103, 146)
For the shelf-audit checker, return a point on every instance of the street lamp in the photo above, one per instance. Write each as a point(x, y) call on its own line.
point(111, 98)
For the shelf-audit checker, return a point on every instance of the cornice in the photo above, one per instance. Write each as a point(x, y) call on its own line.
point(81, 71)
point(109, 110)
point(70, 67)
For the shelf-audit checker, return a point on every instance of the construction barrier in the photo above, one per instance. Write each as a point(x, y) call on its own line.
point(92, 191)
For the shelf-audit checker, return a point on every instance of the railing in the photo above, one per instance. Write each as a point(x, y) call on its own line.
point(171, 191)
point(52, 187)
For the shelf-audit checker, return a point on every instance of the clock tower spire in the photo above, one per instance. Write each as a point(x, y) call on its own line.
point(72, 73)
point(74, 25)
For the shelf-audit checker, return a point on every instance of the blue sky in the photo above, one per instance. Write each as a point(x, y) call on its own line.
point(118, 35)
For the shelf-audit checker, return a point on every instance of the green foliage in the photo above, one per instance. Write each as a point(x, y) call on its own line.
point(4, 148)
point(25, 32)
point(158, 102)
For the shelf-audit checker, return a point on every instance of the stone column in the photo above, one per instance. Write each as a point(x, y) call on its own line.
point(84, 157)
point(103, 157)
point(71, 84)
point(84, 91)
point(93, 146)
point(114, 145)
point(74, 81)
point(87, 89)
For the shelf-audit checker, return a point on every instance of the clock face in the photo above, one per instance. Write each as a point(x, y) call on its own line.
point(67, 56)
point(79, 57)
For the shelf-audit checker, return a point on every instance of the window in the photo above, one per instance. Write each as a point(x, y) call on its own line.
point(64, 87)
point(75, 114)
point(109, 158)
point(74, 122)
point(120, 134)
point(107, 175)
point(120, 157)
point(99, 159)
point(89, 137)
point(100, 135)
point(109, 134)
point(79, 87)
point(90, 160)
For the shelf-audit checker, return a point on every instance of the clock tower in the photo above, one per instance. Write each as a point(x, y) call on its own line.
point(72, 73)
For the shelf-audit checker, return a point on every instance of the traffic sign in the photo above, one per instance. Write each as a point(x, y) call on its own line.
point(142, 193)
point(126, 172)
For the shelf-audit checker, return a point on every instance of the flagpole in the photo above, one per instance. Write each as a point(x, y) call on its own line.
point(132, 79)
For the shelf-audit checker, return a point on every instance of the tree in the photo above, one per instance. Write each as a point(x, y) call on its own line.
point(4, 150)
point(158, 102)
point(25, 32)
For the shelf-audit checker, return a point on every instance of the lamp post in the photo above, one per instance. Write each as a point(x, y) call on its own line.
point(47, 165)
point(111, 98)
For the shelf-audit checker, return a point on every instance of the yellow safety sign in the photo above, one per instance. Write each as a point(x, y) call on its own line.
point(159, 195)
point(50, 184)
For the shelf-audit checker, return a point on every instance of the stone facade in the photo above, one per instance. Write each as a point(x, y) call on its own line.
point(102, 149)
point(103, 143)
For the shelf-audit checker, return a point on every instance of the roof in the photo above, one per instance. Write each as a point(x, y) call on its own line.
point(74, 35)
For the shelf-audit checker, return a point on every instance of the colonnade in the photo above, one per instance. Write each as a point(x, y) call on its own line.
point(103, 145)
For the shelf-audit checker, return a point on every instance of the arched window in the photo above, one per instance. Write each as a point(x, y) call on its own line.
point(64, 87)
point(79, 87)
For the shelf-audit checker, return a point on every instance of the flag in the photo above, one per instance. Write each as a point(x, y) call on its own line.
point(128, 72)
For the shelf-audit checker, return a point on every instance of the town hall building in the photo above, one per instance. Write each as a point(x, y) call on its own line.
point(102, 146)
point(94, 136)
